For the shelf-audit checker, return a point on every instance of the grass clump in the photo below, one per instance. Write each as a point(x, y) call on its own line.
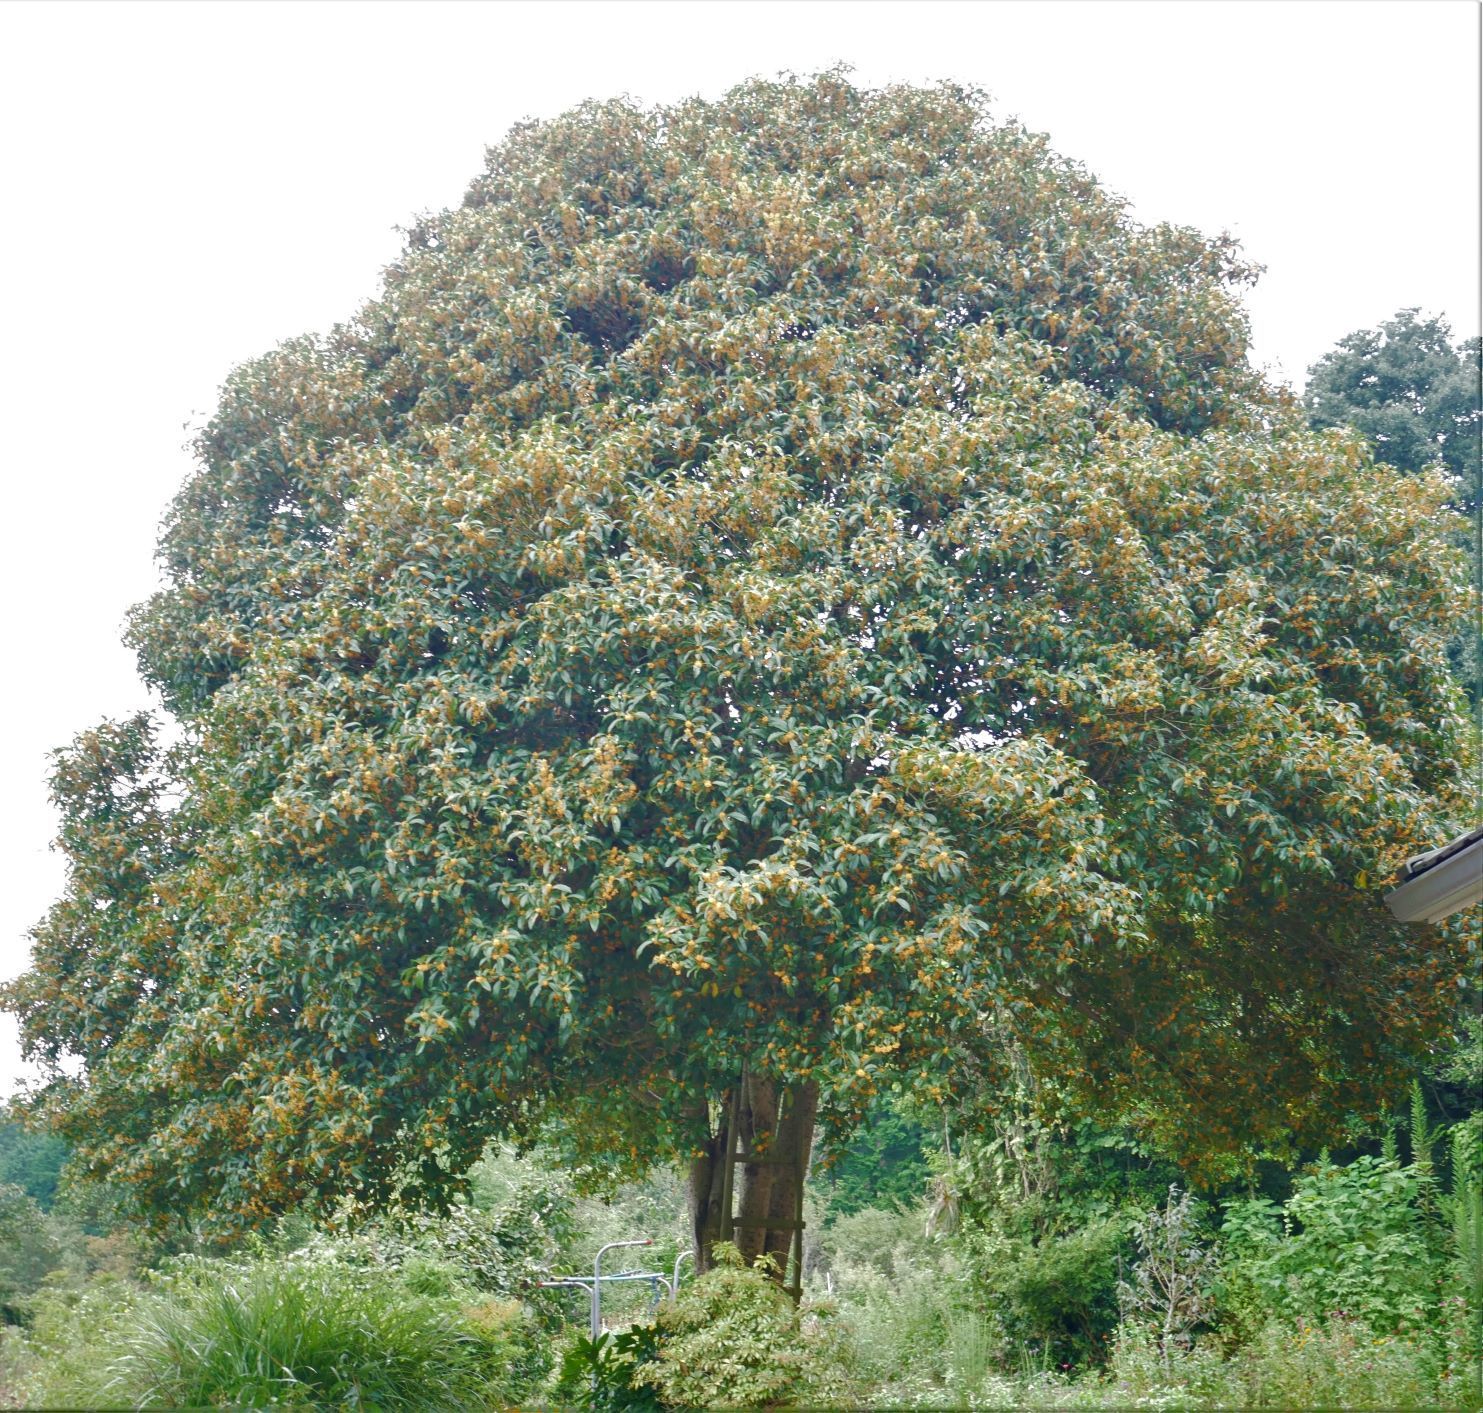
point(283, 1331)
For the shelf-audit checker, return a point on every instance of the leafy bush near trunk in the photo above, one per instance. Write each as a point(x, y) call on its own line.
point(731, 1338)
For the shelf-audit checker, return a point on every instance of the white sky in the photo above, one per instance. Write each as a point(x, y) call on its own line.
point(187, 184)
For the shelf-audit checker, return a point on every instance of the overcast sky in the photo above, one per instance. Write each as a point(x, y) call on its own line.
point(186, 184)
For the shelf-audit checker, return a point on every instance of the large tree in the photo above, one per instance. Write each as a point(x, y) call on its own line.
point(799, 583)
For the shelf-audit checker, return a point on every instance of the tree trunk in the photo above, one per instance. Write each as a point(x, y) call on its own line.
point(704, 1191)
point(776, 1129)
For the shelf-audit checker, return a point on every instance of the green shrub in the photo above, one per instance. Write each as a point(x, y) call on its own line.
point(602, 1374)
point(1342, 1364)
point(907, 1330)
point(426, 1275)
point(931, 1318)
point(1355, 1240)
point(1284, 1367)
point(511, 1231)
point(496, 1248)
point(296, 1332)
point(1055, 1297)
point(516, 1345)
point(26, 1251)
point(890, 1242)
point(731, 1338)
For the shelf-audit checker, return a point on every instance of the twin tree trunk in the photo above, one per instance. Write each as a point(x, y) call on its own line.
point(767, 1196)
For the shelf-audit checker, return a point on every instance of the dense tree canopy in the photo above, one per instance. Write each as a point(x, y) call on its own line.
point(800, 580)
point(1418, 400)
point(1414, 395)
point(30, 1161)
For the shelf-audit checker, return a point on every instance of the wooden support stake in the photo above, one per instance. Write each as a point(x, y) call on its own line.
point(729, 1162)
point(796, 1289)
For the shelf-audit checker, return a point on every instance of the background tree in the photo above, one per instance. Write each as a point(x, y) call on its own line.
point(31, 1161)
point(885, 1164)
point(801, 583)
point(1414, 395)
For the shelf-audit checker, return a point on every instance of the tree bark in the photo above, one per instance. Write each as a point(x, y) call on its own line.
point(774, 1125)
point(704, 1191)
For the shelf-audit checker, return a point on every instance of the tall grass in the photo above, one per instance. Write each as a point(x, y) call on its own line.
point(284, 1332)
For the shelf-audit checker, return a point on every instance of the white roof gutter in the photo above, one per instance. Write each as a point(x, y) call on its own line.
point(1446, 880)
